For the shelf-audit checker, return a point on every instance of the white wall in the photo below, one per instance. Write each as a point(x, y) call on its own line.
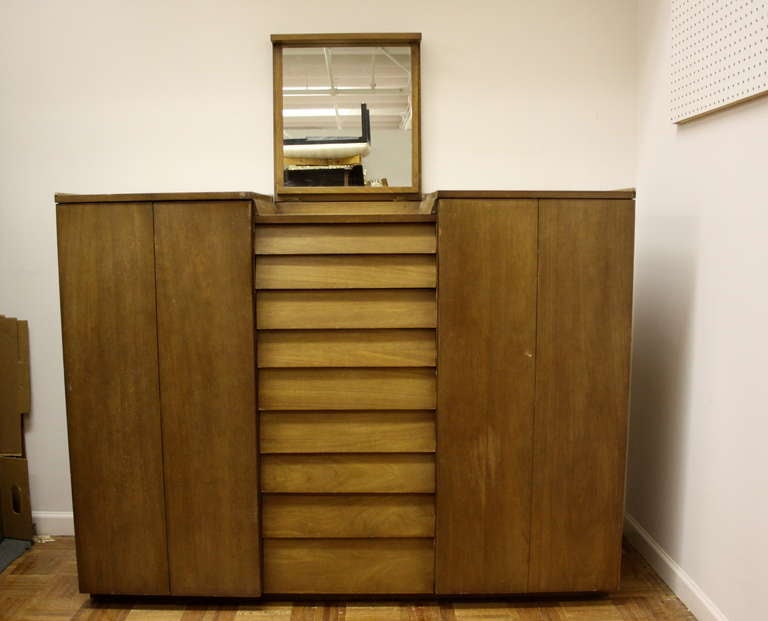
point(118, 96)
point(698, 477)
point(390, 156)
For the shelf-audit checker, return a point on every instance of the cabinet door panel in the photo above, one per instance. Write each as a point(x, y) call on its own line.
point(107, 285)
point(582, 383)
point(486, 340)
point(207, 373)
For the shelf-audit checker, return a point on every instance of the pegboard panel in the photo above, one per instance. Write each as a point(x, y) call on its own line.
point(719, 55)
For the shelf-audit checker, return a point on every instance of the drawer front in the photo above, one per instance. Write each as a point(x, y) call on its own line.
point(348, 566)
point(347, 389)
point(347, 348)
point(348, 516)
point(365, 473)
point(348, 432)
point(345, 272)
point(345, 239)
point(389, 308)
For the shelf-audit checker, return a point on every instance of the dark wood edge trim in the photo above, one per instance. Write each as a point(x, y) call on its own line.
point(333, 195)
point(501, 194)
point(416, 116)
point(255, 207)
point(277, 115)
point(265, 201)
point(517, 596)
point(63, 198)
point(344, 218)
point(337, 38)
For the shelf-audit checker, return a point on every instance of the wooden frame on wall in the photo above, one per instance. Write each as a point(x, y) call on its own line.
point(282, 41)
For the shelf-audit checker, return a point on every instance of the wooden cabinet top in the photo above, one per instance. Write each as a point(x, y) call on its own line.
point(223, 196)
point(502, 194)
point(161, 196)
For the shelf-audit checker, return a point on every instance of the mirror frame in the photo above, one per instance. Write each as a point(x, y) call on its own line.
point(281, 41)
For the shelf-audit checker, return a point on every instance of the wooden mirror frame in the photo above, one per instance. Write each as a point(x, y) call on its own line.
point(279, 42)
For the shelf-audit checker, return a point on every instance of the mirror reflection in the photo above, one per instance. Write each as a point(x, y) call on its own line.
point(347, 116)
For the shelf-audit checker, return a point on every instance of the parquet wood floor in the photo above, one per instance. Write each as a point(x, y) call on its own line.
point(42, 586)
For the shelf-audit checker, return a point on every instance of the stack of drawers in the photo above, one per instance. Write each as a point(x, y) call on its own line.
point(346, 317)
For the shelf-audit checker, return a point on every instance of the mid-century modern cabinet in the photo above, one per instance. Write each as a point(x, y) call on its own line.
point(347, 398)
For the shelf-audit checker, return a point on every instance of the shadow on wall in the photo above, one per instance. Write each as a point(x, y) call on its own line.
point(665, 287)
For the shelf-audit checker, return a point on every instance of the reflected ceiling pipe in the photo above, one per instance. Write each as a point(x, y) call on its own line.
point(329, 70)
point(290, 91)
point(408, 115)
point(373, 70)
point(398, 63)
point(407, 118)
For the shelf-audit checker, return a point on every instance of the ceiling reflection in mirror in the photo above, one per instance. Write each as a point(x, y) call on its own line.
point(347, 116)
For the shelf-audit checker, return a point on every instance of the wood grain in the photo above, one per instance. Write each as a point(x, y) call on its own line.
point(394, 308)
point(365, 473)
point(391, 271)
point(344, 239)
point(207, 370)
point(347, 389)
point(348, 516)
point(108, 321)
point(348, 566)
point(347, 348)
point(582, 378)
point(348, 432)
point(487, 336)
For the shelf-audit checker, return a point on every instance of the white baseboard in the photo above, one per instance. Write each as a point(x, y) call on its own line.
point(54, 522)
point(670, 572)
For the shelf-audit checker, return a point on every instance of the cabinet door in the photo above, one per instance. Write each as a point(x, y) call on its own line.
point(207, 378)
point(486, 343)
point(582, 384)
point(107, 283)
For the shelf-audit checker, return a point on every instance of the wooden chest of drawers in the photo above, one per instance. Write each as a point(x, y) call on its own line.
point(347, 398)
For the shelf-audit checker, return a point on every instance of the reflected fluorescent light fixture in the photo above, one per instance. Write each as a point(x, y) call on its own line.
point(321, 112)
point(304, 89)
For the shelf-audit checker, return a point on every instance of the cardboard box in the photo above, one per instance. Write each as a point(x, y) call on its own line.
point(14, 384)
point(15, 511)
point(15, 398)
